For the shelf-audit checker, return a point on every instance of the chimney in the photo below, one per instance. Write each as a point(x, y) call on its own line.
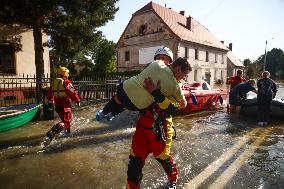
point(231, 46)
point(188, 22)
point(182, 12)
point(222, 42)
point(165, 5)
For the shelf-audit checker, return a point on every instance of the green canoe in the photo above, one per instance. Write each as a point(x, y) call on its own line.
point(16, 116)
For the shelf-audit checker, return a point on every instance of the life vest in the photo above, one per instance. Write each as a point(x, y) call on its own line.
point(58, 88)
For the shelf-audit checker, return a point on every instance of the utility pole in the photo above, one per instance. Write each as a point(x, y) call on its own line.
point(264, 63)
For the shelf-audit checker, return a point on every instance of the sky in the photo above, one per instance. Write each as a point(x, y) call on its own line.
point(247, 24)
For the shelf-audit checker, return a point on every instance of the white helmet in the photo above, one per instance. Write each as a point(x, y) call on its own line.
point(165, 51)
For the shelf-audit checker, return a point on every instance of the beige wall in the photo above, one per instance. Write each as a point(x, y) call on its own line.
point(25, 59)
point(217, 70)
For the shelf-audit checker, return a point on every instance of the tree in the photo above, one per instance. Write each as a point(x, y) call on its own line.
point(71, 24)
point(247, 62)
point(281, 72)
point(104, 56)
point(100, 60)
point(250, 70)
point(274, 62)
point(258, 64)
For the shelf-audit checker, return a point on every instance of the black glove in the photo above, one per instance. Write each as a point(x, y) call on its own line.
point(171, 110)
point(158, 96)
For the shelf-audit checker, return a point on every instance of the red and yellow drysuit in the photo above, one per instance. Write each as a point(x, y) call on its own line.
point(147, 140)
point(62, 93)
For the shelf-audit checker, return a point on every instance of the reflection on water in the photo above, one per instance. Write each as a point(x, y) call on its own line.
point(211, 149)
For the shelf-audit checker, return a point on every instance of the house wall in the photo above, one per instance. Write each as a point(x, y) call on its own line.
point(25, 59)
point(232, 68)
point(156, 34)
point(212, 70)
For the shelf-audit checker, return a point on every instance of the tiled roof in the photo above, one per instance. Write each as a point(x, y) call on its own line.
point(177, 24)
point(234, 59)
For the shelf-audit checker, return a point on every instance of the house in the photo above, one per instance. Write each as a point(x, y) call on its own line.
point(233, 63)
point(154, 26)
point(15, 63)
point(17, 68)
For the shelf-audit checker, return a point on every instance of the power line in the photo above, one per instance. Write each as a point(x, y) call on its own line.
point(213, 9)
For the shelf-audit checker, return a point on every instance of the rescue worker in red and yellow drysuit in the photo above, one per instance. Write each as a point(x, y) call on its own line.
point(154, 134)
point(62, 93)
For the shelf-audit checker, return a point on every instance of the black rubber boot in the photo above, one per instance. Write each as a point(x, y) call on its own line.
point(50, 135)
point(66, 132)
point(54, 130)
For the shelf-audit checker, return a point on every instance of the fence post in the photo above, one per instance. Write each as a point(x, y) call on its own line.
point(48, 108)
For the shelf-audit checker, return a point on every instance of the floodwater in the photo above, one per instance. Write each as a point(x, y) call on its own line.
point(212, 150)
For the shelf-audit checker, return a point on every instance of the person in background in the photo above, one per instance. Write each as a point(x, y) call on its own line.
point(62, 93)
point(238, 94)
point(205, 85)
point(237, 79)
point(132, 95)
point(234, 81)
point(154, 134)
point(267, 90)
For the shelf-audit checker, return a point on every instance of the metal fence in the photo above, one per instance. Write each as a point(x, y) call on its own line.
point(91, 89)
point(15, 90)
point(21, 90)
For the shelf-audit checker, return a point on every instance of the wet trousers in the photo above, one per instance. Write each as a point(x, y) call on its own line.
point(145, 142)
point(263, 107)
point(65, 113)
point(125, 103)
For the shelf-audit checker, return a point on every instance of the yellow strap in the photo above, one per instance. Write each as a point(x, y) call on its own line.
point(168, 100)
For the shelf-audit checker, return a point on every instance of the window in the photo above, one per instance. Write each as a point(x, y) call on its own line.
point(216, 57)
point(127, 56)
point(195, 75)
point(207, 56)
point(142, 29)
point(222, 59)
point(7, 59)
point(185, 52)
point(196, 54)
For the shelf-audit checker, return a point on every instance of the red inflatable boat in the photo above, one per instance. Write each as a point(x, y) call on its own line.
point(198, 99)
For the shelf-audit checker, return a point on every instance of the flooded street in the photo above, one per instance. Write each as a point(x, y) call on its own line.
point(212, 150)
